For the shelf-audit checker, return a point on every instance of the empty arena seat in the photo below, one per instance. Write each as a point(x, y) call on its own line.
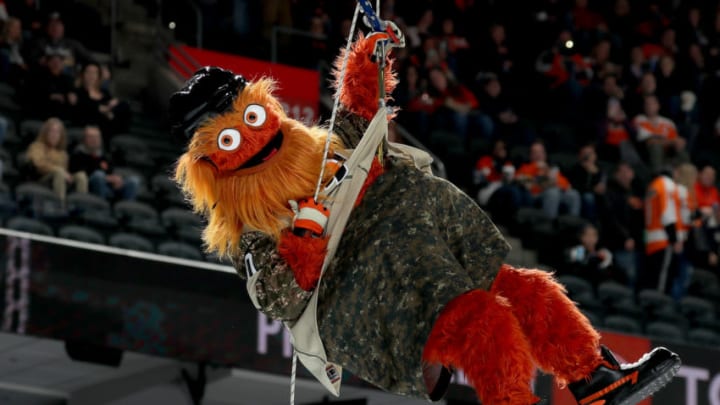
point(91, 210)
point(30, 225)
point(576, 285)
point(167, 191)
point(665, 331)
point(621, 323)
point(696, 308)
point(174, 219)
point(81, 233)
point(609, 291)
point(131, 241)
point(180, 249)
point(703, 337)
point(82, 202)
point(37, 200)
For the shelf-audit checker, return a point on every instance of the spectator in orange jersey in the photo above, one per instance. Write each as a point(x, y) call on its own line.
point(708, 201)
point(658, 135)
point(706, 192)
point(493, 176)
point(545, 185)
point(664, 244)
point(455, 107)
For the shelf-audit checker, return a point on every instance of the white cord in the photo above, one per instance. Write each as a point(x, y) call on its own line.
point(292, 377)
point(337, 101)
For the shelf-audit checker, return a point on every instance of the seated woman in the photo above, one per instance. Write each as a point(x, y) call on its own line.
point(49, 160)
point(96, 105)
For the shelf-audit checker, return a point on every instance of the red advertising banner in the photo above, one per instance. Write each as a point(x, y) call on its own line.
point(298, 88)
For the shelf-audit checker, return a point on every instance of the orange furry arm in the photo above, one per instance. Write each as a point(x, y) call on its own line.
point(305, 256)
point(359, 93)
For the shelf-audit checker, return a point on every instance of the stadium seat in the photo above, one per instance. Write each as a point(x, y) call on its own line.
point(131, 150)
point(74, 135)
point(92, 211)
point(661, 307)
point(190, 234)
point(568, 225)
point(29, 129)
point(576, 285)
point(179, 249)
point(619, 299)
point(167, 191)
point(697, 308)
point(588, 301)
point(83, 202)
point(595, 319)
point(81, 233)
point(126, 211)
point(563, 160)
point(650, 299)
point(31, 225)
point(174, 219)
point(8, 205)
point(527, 220)
point(38, 200)
point(140, 218)
point(621, 323)
point(665, 331)
point(10, 175)
point(703, 337)
point(704, 283)
point(131, 241)
point(609, 291)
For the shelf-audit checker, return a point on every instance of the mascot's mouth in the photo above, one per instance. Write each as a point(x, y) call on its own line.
point(267, 152)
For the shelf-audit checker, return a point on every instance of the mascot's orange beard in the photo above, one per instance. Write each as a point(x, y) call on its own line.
point(255, 199)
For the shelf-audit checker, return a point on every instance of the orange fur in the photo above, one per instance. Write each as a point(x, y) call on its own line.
point(360, 92)
point(564, 342)
point(255, 198)
point(305, 256)
point(478, 333)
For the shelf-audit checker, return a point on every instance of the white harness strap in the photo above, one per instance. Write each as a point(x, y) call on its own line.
point(305, 334)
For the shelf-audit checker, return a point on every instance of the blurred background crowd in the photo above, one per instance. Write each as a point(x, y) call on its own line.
point(589, 130)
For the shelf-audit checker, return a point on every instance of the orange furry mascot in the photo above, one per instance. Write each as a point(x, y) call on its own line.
point(417, 287)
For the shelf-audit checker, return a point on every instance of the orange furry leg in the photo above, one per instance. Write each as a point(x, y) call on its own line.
point(563, 341)
point(305, 256)
point(478, 333)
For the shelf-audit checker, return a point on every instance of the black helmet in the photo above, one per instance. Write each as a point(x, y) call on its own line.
point(210, 91)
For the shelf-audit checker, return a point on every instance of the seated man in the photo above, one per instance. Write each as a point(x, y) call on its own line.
point(658, 136)
point(89, 157)
point(544, 185)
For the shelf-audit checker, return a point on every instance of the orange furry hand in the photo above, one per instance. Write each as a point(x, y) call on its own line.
point(305, 256)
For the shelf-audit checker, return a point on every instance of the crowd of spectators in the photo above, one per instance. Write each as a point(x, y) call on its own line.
point(60, 83)
point(572, 107)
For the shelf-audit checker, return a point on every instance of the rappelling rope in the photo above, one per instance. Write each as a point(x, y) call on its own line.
point(293, 377)
point(337, 102)
point(326, 151)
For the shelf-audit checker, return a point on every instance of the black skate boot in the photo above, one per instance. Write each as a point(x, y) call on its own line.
point(627, 384)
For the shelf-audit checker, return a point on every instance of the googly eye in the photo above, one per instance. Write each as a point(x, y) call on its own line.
point(255, 115)
point(229, 139)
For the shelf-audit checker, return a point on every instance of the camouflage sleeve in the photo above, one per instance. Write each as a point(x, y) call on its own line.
point(473, 238)
point(278, 294)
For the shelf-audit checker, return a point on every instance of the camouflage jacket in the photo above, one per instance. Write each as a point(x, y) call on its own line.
point(414, 243)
